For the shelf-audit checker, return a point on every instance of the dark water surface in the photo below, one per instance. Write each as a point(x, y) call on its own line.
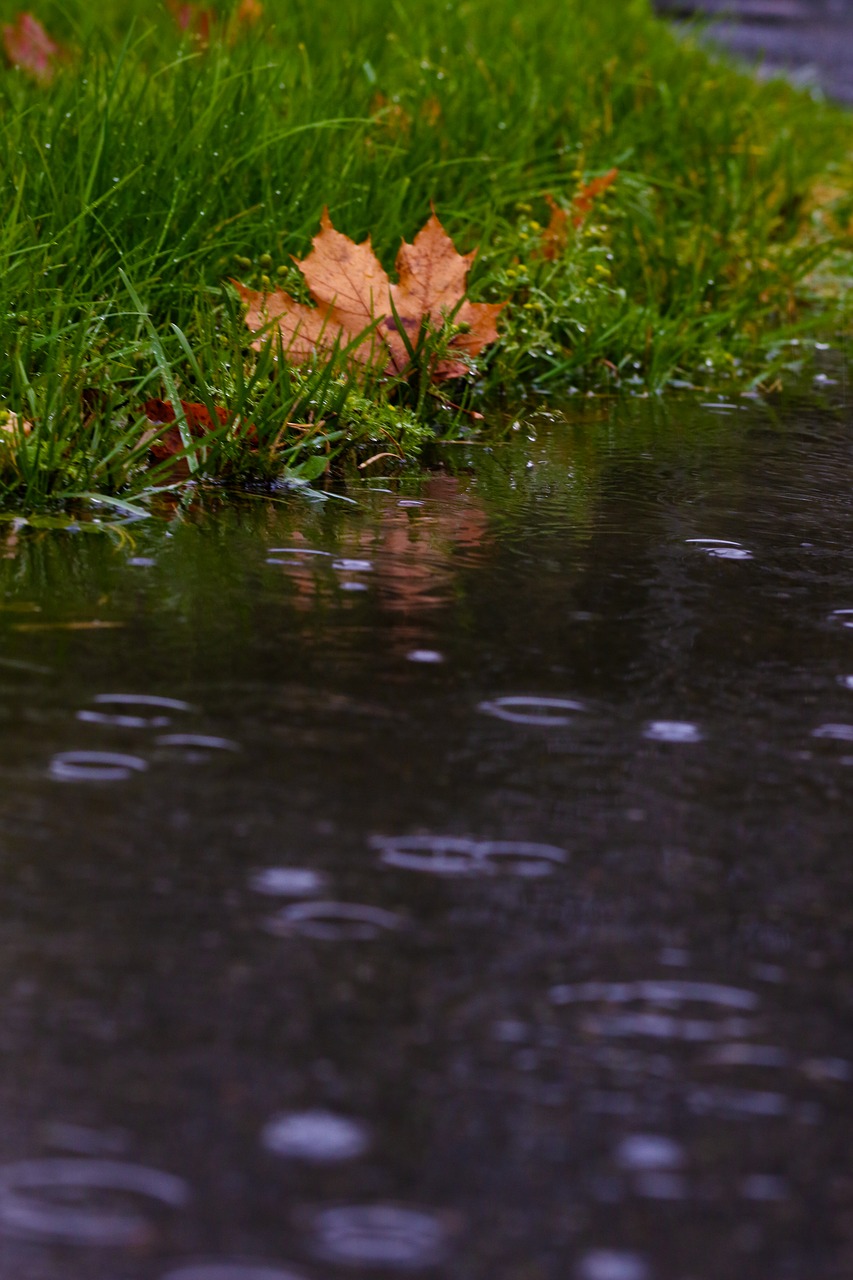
point(455, 883)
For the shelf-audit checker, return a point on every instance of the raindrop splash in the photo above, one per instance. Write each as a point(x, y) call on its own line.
point(380, 1236)
point(288, 882)
point(672, 731)
point(320, 1137)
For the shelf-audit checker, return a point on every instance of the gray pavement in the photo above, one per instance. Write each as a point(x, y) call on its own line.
point(811, 41)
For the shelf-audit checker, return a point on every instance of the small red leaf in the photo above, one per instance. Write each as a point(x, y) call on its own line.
point(167, 444)
point(28, 46)
point(587, 195)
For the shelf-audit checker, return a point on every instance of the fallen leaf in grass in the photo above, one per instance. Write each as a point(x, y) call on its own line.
point(586, 197)
point(553, 239)
point(28, 46)
point(200, 21)
point(195, 19)
point(354, 295)
point(248, 12)
point(168, 443)
point(12, 425)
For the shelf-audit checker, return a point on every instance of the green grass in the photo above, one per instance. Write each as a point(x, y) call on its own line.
point(152, 169)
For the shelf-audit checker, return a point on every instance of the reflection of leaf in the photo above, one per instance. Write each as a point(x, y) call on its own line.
point(28, 46)
point(354, 295)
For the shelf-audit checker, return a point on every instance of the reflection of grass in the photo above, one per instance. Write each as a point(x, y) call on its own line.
point(154, 168)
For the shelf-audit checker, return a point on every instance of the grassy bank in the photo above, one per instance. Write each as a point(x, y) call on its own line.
point(155, 165)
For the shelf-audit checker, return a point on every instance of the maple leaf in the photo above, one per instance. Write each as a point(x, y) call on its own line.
point(28, 46)
point(379, 323)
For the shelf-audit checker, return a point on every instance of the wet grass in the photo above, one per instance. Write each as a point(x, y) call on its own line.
point(155, 167)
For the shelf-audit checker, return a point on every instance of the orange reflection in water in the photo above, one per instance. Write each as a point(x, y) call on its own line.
point(407, 557)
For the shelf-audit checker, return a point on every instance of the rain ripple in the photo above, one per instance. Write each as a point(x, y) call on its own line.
point(656, 991)
point(128, 705)
point(528, 709)
point(24, 1213)
point(333, 921)
point(380, 1235)
point(199, 741)
point(94, 766)
point(721, 548)
point(458, 856)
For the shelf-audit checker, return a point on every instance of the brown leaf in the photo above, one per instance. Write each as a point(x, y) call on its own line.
point(586, 197)
point(554, 237)
point(552, 242)
point(166, 444)
point(354, 294)
point(28, 46)
point(348, 282)
point(195, 19)
point(248, 12)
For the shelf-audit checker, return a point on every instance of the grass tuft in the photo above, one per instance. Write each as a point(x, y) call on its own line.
point(154, 167)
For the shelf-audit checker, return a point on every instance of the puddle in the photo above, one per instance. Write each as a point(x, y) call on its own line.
point(453, 881)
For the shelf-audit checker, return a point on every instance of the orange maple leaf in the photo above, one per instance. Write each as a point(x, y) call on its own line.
point(28, 46)
point(379, 322)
